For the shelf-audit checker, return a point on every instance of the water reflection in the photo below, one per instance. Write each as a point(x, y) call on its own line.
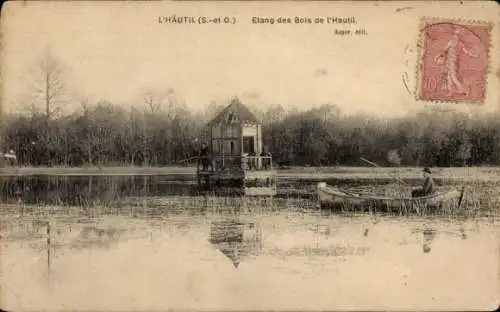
point(97, 236)
point(117, 191)
point(160, 251)
point(429, 234)
point(87, 190)
point(237, 240)
point(189, 260)
point(107, 190)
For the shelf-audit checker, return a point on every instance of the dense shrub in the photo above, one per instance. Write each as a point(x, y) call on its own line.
point(110, 134)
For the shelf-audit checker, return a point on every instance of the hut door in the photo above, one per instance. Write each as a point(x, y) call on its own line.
point(248, 145)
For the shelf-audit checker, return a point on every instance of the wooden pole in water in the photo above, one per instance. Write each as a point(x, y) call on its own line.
point(48, 250)
point(460, 200)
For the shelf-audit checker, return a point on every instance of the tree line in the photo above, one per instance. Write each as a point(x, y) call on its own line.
point(162, 131)
point(160, 135)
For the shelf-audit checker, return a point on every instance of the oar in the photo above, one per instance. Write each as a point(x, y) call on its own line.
point(375, 165)
point(347, 192)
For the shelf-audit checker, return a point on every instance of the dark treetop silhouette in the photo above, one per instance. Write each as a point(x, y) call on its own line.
point(109, 134)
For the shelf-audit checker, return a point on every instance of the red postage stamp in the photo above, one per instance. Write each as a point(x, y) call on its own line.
point(453, 61)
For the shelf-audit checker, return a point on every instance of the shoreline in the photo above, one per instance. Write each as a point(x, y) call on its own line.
point(294, 173)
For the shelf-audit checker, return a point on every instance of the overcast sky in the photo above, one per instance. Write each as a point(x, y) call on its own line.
point(117, 52)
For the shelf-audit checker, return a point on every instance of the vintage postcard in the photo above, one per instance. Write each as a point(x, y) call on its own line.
point(231, 156)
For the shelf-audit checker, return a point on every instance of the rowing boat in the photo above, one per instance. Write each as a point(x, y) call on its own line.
point(333, 196)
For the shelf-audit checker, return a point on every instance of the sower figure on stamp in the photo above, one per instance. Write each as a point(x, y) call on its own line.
point(449, 57)
point(428, 186)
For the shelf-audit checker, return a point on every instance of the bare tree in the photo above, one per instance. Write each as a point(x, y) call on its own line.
point(90, 134)
point(154, 100)
point(157, 104)
point(48, 83)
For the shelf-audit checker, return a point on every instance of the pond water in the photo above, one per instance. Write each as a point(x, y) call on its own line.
point(193, 253)
point(112, 189)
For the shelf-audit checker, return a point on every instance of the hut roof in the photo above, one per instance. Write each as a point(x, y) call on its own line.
point(233, 251)
point(227, 237)
point(235, 112)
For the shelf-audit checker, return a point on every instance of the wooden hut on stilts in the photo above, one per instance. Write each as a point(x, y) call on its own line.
point(234, 160)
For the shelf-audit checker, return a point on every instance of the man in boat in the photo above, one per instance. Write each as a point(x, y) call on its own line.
point(427, 188)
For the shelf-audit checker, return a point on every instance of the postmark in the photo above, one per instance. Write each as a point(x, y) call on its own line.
point(453, 61)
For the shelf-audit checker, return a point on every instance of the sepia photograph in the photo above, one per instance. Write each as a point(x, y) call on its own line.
point(168, 155)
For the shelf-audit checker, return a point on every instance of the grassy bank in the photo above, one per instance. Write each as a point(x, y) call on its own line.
point(294, 173)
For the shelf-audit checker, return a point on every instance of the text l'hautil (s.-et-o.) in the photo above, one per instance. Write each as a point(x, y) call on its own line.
point(176, 19)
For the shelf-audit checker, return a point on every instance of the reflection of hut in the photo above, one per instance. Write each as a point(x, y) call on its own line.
point(235, 156)
point(236, 240)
